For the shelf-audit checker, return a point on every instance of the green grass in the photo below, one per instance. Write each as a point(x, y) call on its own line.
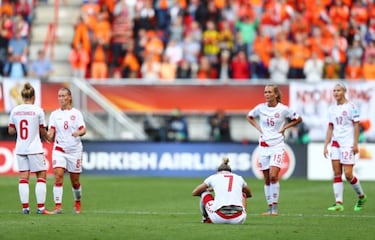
point(163, 208)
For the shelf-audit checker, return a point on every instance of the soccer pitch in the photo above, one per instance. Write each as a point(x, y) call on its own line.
point(163, 208)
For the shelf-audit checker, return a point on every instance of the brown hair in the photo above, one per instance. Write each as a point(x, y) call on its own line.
point(28, 91)
point(224, 166)
point(69, 93)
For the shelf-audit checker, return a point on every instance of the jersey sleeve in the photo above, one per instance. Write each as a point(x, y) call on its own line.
point(354, 113)
point(80, 122)
point(254, 112)
point(42, 118)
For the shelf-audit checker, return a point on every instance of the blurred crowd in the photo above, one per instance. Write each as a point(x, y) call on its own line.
point(165, 40)
point(15, 24)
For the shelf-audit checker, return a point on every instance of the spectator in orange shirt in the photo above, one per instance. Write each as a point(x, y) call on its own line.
point(89, 12)
point(130, 64)
point(318, 44)
point(331, 69)
point(353, 71)
point(79, 59)
point(359, 13)
point(99, 67)
point(263, 47)
point(299, 54)
point(6, 8)
point(154, 45)
point(339, 14)
point(316, 12)
point(81, 35)
point(281, 44)
point(102, 32)
point(368, 69)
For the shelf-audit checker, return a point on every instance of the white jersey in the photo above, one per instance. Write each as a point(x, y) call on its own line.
point(227, 187)
point(27, 119)
point(65, 122)
point(271, 120)
point(342, 118)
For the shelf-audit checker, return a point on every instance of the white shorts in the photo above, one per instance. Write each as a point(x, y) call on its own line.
point(32, 162)
point(271, 156)
point(72, 162)
point(344, 154)
point(218, 218)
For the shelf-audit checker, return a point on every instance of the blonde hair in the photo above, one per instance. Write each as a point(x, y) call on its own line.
point(276, 90)
point(27, 91)
point(224, 166)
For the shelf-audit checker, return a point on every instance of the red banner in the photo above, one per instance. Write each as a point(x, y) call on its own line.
point(189, 98)
point(163, 98)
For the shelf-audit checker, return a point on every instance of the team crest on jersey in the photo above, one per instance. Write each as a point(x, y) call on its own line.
point(277, 115)
point(72, 117)
point(344, 113)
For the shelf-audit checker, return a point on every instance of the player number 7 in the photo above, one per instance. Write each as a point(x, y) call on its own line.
point(230, 183)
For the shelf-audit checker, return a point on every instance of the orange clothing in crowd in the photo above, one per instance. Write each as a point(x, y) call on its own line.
point(102, 31)
point(283, 47)
point(79, 59)
point(263, 48)
point(130, 61)
point(154, 46)
point(81, 36)
point(219, 4)
point(353, 72)
point(360, 14)
point(99, 68)
point(340, 16)
point(110, 4)
point(299, 54)
point(6, 8)
point(89, 12)
point(368, 70)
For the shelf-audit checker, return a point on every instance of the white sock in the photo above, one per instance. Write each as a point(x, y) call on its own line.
point(338, 190)
point(275, 192)
point(267, 194)
point(77, 193)
point(58, 194)
point(357, 186)
point(40, 192)
point(23, 190)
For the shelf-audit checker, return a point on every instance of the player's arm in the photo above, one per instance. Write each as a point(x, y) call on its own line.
point(12, 129)
point(51, 134)
point(200, 189)
point(327, 139)
point(356, 137)
point(44, 134)
point(80, 132)
point(254, 123)
point(291, 123)
point(247, 191)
